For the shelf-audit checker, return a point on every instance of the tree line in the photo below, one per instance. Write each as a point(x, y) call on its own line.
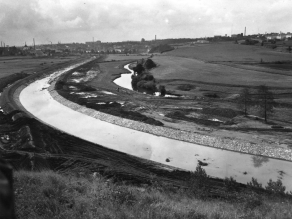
point(263, 100)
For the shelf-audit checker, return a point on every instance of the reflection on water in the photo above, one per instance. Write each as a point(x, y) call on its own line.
point(259, 160)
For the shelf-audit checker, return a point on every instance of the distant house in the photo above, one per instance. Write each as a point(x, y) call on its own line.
point(281, 36)
point(38, 53)
point(271, 36)
point(237, 35)
point(202, 41)
point(25, 48)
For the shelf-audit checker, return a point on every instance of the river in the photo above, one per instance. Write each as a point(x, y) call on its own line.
point(221, 163)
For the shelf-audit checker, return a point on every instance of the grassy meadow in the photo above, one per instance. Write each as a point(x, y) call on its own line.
point(171, 67)
point(121, 57)
point(26, 64)
point(50, 195)
point(230, 52)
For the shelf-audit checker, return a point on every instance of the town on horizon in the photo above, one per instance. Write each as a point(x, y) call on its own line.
point(132, 46)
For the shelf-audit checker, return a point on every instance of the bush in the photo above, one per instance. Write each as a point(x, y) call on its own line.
point(198, 182)
point(230, 183)
point(162, 90)
point(161, 48)
point(149, 64)
point(276, 187)
point(254, 183)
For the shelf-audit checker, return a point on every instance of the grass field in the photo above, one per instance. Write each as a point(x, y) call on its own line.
point(230, 52)
point(171, 67)
point(25, 64)
point(121, 57)
point(51, 195)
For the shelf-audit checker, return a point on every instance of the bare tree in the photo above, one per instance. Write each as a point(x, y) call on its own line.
point(264, 100)
point(245, 100)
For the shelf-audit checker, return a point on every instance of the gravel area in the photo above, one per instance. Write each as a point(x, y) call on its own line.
point(222, 143)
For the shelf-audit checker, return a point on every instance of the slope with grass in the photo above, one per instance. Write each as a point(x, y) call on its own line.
point(50, 195)
point(230, 52)
point(192, 70)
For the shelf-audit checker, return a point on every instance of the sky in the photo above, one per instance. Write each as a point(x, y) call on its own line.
point(68, 21)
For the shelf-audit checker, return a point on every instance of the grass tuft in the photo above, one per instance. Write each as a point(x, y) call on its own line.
point(51, 195)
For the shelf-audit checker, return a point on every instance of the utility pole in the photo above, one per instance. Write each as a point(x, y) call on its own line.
point(265, 96)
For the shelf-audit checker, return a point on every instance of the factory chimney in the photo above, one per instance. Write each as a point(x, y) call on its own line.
point(244, 31)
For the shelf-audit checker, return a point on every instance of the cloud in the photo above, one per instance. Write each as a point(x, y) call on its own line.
point(69, 21)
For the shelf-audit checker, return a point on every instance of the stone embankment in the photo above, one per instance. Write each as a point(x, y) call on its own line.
point(216, 142)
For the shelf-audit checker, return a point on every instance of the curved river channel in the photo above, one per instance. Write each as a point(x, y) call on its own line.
point(221, 163)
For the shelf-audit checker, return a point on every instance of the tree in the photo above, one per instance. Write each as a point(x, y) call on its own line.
point(148, 64)
point(162, 90)
point(244, 100)
point(139, 69)
point(265, 101)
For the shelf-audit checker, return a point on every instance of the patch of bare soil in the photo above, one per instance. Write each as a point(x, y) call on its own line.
point(93, 98)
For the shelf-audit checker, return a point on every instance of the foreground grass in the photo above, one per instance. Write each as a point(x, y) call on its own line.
point(50, 195)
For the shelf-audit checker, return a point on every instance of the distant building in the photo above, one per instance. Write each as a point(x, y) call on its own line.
point(271, 36)
point(202, 41)
point(281, 36)
point(237, 35)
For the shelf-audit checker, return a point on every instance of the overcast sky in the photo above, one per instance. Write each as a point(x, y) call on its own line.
point(120, 20)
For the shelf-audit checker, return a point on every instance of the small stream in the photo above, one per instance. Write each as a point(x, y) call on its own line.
point(125, 81)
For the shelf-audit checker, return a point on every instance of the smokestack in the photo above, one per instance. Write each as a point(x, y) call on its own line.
point(244, 31)
point(33, 44)
point(155, 37)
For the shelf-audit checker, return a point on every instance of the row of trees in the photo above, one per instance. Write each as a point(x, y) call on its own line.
point(263, 100)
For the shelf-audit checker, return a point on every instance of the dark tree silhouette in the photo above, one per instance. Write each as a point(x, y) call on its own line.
point(138, 69)
point(245, 100)
point(149, 64)
point(264, 99)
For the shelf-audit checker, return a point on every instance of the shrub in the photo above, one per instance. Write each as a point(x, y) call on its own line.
point(198, 182)
point(149, 64)
point(254, 183)
point(230, 183)
point(276, 187)
point(161, 48)
point(162, 90)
